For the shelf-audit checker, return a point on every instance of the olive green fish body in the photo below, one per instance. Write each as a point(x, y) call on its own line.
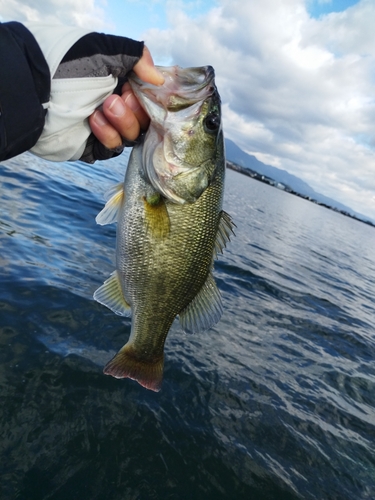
point(164, 261)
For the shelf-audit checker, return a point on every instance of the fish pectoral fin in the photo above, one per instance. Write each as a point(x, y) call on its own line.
point(115, 197)
point(156, 215)
point(225, 230)
point(110, 295)
point(205, 310)
point(126, 364)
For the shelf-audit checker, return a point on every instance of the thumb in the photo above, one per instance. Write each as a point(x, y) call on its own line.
point(145, 69)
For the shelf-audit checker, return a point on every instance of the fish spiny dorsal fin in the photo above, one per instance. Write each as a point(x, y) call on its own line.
point(225, 230)
point(205, 310)
point(111, 296)
point(115, 197)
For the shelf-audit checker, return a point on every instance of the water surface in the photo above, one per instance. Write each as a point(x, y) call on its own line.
point(276, 402)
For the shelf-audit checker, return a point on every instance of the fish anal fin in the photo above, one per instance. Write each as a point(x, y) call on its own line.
point(224, 232)
point(115, 197)
point(110, 295)
point(205, 310)
point(126, 364)
point(156, 215)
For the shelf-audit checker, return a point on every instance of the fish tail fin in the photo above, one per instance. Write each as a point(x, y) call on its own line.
point(127, 365)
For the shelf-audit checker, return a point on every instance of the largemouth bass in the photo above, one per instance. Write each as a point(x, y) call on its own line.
point(170, 222)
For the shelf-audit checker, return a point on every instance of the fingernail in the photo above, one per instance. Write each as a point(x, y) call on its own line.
point(117, 107)
point(99, 118)
point(132, 102)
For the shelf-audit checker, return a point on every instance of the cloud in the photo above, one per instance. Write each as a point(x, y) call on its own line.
point(297, 91)
point(84, 13)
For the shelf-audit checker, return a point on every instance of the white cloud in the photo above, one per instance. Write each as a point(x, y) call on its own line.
point(84, 13)
point(296, 90)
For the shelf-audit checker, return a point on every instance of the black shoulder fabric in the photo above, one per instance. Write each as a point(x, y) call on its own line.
point(24, 87)
point(108, 45)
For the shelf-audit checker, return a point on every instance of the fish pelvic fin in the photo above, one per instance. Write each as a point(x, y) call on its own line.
point(115, 197)
point(205, 310)
point(225, 230)
point(156, 214)
point(110, 295)
point(126, 364)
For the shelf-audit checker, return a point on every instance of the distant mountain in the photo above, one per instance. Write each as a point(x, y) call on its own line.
point(236, 155)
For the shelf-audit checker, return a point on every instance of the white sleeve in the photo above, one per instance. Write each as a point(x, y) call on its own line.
point(72, 100)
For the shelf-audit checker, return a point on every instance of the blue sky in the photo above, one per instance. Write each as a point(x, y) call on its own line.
point(296, 77)
point(317, 8)
point(134, 17)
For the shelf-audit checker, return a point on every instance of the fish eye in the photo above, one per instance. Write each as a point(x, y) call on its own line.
point(212, 123)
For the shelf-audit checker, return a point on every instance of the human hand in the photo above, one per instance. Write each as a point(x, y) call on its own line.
point(122, 117)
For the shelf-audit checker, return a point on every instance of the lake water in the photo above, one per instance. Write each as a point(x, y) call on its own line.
point(276, 402)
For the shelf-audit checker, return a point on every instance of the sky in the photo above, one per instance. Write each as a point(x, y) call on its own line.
point(296, 77)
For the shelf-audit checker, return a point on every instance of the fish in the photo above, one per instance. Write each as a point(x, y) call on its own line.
point(170, 221)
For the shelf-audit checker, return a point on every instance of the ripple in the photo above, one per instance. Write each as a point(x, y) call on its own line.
point(276, 401)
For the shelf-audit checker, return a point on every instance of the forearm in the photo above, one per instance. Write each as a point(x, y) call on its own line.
point(24, 89)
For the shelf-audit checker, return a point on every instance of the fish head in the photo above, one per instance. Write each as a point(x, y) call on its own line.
point(181, 145)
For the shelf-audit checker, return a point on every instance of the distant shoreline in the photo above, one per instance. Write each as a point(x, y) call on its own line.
point(288, 189)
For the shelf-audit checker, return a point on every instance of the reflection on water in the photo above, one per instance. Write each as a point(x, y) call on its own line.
point(276, 401)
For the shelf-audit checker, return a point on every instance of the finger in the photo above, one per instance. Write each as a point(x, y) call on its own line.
point(146, 71)
point(132, 102)
point(104, 131)
point(121, 117)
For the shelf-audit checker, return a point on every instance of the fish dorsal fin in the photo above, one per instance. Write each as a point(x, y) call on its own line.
point(205, 310)
point(115, 197)
point(225, 230)
point(111, 296)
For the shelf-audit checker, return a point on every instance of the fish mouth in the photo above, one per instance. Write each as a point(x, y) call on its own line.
point(182, 87)
point(187, 85)
point(177, 78)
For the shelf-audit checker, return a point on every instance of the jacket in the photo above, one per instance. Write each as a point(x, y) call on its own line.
point(25, 85)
